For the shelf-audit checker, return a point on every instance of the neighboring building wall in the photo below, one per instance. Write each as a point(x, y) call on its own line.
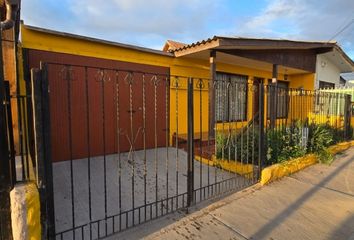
point(326, 71)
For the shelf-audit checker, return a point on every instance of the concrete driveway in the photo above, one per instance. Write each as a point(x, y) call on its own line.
point(106, 195)
point(316, 203)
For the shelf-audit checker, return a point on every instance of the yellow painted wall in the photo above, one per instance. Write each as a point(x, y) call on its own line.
point(200, 69)
point(304, 81)
point(66, 44)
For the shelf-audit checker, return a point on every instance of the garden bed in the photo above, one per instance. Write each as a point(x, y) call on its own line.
point(287, 168)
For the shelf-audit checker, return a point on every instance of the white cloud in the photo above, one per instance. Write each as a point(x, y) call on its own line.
point(302, 20)
point(150, 23)
point(274, 11)
point(154, 16)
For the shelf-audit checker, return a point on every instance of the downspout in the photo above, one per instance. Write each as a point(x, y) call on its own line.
point(12, 7)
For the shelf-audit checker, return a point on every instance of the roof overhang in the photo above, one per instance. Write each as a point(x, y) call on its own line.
point(96, 40)
point(293, 54)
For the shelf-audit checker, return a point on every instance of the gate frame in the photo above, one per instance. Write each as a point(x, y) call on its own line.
point(41, 126)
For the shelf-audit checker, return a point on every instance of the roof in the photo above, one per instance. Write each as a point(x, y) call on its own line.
point(348, 76)
point(242, 43)
point(96, 40)
point(171, 45)
point(253, 42)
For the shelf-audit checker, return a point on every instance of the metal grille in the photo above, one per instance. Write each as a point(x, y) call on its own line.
point(123, 152)
point(127, 147)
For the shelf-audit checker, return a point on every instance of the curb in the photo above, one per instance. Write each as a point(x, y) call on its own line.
point(287, 168)
point(245, 170)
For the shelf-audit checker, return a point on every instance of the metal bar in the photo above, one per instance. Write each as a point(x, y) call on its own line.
point(70, 143)
point(347, 116)
point(103, 80)
point(88, 148)
point(118, 149)
point(167, 113)
point(132, 141)
point(47, 152)
point(176, 137)
point(261, 143)
point(200, 87)
point(155, 83)
point(190, 157)
point(10, 136)
point(36, 86)
point(25, 137)
point(144, 144)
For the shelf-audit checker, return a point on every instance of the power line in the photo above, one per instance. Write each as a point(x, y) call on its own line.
point(342, 30)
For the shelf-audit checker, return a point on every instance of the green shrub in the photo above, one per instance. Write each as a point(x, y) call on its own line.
point(325, 156)
point(241, 146)
point(320, 137)
point(285, 143)
point(281, 144)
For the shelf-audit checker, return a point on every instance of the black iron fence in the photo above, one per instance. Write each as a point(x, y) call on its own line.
point(128, 147)
point(17, 132)
point(302, 121)
point(16, 162)
point(116, 148)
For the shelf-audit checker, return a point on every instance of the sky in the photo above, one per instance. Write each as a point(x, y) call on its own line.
point(149, 23)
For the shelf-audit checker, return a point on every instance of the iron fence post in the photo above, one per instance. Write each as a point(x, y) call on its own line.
point(10, 136)
point(261, 146)
point(190, 175)
point(40, 105)
point(347, 116)
point(272, 93)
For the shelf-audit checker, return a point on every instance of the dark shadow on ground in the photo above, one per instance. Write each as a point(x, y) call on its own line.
point(277, 220)
point(148, 228)
point(341, 233)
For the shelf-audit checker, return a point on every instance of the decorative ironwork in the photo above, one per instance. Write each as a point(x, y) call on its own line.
point(125, 137)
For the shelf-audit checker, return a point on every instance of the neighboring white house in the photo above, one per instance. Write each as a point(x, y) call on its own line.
point(330, 66)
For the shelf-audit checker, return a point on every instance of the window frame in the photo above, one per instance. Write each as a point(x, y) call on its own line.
point(242, 118)
point(326, 84)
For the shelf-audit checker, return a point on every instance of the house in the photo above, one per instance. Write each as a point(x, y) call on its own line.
point(246, 61)
point(108, 100)
point(330, 66)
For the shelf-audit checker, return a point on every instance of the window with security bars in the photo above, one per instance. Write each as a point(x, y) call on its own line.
point(230, 97)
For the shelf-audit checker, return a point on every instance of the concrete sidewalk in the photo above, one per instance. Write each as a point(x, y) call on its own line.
point(316, 203)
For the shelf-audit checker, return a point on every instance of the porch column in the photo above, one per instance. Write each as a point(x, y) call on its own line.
point(275, 74)
point(212, 94)
point(273, 94)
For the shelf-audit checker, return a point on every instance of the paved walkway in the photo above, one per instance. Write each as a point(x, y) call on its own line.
point(316, 203)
